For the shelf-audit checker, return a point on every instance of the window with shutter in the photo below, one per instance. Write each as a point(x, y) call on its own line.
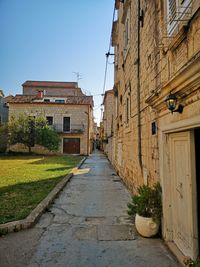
point(126, 33)
point(178, 14)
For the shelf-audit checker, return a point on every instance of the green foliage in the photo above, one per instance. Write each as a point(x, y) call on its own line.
point(30, 131)
point(147, 203)
point(19, 130)
point(194, 263)
point(187, 261)
point(47, 137)
point(3, 138)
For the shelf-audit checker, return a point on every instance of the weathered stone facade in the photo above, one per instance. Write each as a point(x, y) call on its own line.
point(108, 123)
point(77, 108)
point(157, 53)
point(133, 84)
point(3, 109)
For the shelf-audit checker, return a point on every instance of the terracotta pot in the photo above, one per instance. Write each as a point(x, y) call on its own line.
point(146, 227)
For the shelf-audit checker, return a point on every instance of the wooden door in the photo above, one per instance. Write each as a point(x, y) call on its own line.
point(183, 189)
point(71, 145)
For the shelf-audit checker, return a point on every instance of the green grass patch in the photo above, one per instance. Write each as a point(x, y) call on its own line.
point(26, 180)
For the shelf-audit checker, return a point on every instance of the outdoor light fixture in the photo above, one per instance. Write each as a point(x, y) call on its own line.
point(171, 102)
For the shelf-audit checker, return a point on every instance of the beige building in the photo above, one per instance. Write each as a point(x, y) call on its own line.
point(3, 108)
point(65, 107)
point(108, 123)
point(157, 57)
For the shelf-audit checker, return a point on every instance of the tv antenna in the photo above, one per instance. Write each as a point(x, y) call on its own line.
point(78, 76)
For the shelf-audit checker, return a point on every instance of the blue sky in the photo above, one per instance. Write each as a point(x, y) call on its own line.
point(51, 39)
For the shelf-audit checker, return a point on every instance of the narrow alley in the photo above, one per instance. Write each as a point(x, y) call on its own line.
point(87, 226)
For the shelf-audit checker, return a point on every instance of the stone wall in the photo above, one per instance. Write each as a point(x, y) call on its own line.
point(126, 158)
point(167, 63)
point(3, 110)
point(108, 123)
point(162, 59)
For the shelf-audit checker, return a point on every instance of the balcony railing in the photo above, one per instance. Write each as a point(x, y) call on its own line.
point(73, 128)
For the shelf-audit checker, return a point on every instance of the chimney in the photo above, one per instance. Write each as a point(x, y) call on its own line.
point(40, 94)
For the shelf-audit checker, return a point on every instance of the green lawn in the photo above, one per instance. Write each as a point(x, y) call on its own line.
point(26, 180)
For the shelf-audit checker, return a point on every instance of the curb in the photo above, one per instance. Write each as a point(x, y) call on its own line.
point(34, 216)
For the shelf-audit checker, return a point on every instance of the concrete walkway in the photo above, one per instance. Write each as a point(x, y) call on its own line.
point(87, 226)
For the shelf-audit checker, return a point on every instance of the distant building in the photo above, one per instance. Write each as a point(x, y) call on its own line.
point(3, 109)
point(66, 109)
point(108, 123)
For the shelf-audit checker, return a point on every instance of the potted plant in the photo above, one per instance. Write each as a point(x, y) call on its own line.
point(147, 206)
point(190, 263)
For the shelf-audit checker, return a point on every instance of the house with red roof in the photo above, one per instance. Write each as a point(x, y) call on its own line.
point(65, 107)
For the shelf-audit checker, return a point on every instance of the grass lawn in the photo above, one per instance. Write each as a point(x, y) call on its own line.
point(26, 180)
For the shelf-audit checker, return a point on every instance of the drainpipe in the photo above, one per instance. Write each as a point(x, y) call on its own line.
point(138, 88)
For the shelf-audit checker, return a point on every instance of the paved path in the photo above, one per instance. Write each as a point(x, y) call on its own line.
point(88, 226)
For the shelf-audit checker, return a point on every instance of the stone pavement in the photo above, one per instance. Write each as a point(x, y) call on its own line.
point(87, 226)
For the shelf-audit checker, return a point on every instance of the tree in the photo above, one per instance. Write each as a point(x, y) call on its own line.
point(3, 138)
point(29, 131)
point(47, 137)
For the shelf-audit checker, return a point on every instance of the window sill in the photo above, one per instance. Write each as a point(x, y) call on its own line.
point(178, 38)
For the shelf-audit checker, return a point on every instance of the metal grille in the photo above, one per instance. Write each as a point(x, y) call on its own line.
point(172, 10)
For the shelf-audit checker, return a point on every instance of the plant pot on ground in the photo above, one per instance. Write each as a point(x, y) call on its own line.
point(147, 206)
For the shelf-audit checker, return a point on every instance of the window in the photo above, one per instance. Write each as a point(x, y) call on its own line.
point(126, 33)
point(46, 100)
point(116, 55)
point(126, 36)
point(127, 110)
point(66, 124)
point(59, 101)
point(49, 120)
point(172, 10)
point(178, 12)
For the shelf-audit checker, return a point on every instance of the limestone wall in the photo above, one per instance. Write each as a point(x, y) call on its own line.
point(167, 63)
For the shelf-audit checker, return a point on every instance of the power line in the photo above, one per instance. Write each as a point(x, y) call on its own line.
point(106, 63)
point(108, 53)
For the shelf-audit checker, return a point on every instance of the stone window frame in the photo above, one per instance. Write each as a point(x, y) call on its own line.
point(127, 108)
point(126, 33)
point(116, 56)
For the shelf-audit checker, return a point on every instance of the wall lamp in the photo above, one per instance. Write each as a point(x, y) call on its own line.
point(171, 102)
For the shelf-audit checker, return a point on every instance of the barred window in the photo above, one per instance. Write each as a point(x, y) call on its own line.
point(172, 10)
point(127, 110)
point(178, 13)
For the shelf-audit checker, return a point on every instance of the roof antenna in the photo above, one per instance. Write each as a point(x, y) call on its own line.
point(78, 76)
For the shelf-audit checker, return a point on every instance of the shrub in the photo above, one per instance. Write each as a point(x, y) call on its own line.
point(147, 203)
point(3, 138)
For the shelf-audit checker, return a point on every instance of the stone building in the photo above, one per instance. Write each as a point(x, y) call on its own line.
point(3, 109)
point(157, 63)
point(65, 107)
point(108, 123)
